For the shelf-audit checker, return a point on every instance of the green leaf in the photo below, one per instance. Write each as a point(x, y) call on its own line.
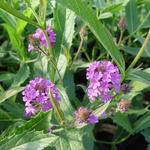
point(9, 93)
point(75, 139)
point(15, 39)
point(146, 51)
point(21, 76)
point(138, 85)
point(137, 88)
point(105, 15)
point(21, 24)
point(131, 16)
point(135, 50)
point(69, 85)
point(42, 10)
point(99, 111)
point(7, 7)
point(14, 108)
point(114, 8)
point(146, 21)
point(81, 8)
point(6, 76)
point(146, 134)
point(38, 122)
point(5, 116)
point(41, 67)
point(28, 140)
point(142, 123)
point(61, 66)
point(123, 121)
point(139, 75)
point(65, 104)
point(69, 28)
point(8, 18)
point(59, 26)
point(99, 3)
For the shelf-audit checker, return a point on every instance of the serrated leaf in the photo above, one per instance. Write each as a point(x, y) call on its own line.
point(81, 8)
point(39, 122)
point(123, 121)
point(9, 93)
point(28, 140)
point(75, 139)
point(65, 104)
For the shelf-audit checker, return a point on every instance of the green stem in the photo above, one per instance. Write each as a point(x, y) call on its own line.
point(35, 15)
point(56, 109)
point(79, 49)
point(139, 53)
point(51, 55)
point(120, 38)
point(55, 66)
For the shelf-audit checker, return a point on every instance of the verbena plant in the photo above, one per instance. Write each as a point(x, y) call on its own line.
point(49, 43)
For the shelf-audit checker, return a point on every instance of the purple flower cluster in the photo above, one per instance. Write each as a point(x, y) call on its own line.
point(36, 96)
point(83, 115)
point(40, 37)
point(104, 79)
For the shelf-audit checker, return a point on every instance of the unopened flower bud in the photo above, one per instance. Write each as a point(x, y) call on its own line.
point(83, 32)
point(83, 115)
point(122, 23)
point(125, 88)
point(123, 105)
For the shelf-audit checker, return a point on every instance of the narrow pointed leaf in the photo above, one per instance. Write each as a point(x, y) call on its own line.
point(87, 15)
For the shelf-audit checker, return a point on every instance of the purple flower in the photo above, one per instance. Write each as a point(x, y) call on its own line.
point(40, 37)
point(104, 79)
point(83, 115)
point(30, 47)
point(36, 96)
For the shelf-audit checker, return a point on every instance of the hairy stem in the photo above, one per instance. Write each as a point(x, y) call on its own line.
point(79, 49)
point(51, 56)
point(120, 38)
point(56, 109)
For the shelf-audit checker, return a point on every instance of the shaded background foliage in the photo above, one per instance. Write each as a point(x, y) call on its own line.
point(95, 24)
